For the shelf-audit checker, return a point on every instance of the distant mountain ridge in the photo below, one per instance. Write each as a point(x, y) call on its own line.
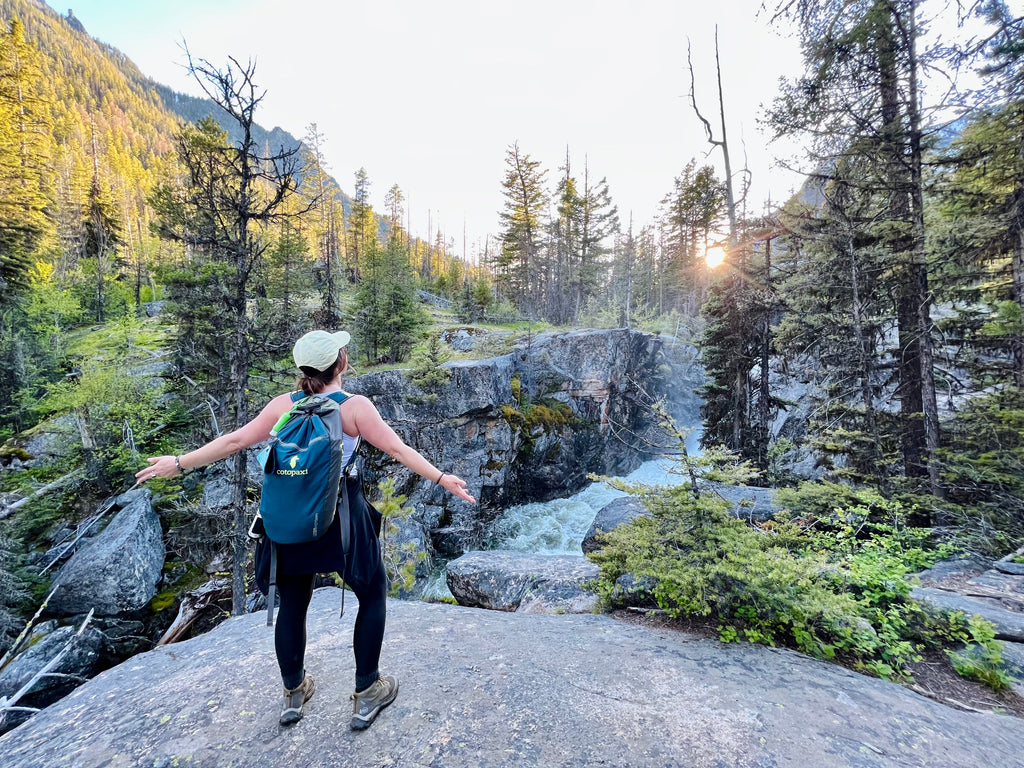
point(97, 88)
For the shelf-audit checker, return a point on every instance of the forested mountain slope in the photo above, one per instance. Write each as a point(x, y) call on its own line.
point(105, 114)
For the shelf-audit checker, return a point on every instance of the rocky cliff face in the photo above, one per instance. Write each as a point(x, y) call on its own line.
point(525, 426)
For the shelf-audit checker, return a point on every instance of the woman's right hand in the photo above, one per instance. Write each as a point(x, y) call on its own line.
point(456, 486)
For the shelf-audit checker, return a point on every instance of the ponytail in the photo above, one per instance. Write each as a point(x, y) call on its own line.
point(312, 381)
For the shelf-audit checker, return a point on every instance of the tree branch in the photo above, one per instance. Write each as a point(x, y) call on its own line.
point(693, 97)
point(8, 703)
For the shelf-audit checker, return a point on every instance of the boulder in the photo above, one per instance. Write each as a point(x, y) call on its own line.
point(52, 440)
point(217, 492)
point(1009, 566)
point(154, 308)
point(631, 591)
point(946, 571)
point(463, 339)
point(116, 571)
point(1011, 586)
point(748, 502)
point(1013, 664)
point(76, 666)
point(514, 581)
point(610, 517)
point(155, 371)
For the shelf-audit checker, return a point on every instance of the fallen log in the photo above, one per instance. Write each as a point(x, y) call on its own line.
point(60, 481)
point(192, 606)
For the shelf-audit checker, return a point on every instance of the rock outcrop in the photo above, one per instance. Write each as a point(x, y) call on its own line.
point(748, 502)
point(116, 571)
point(53, 440)
point(525, 426)
point(488, 689)
point(610, 517)
point(516, 581)
point(994, 591)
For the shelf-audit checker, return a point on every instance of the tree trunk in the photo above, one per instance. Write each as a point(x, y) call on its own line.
point(240, 360)
point(1017, 285)
point(914, 353)
point(764, 397)
point(929, 400)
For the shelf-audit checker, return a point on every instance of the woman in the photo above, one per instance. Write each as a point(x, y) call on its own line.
point(322, 358)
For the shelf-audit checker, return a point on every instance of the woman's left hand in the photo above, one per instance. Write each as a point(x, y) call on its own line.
point(159, 466)
point(456, 486)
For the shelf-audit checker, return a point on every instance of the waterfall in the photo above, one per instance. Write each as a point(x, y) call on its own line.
point(557, 527)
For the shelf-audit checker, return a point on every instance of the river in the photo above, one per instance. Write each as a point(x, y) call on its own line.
point(557, 527)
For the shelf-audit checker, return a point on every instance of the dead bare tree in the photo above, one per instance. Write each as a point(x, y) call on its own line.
point(722, 143)
point(231, 193)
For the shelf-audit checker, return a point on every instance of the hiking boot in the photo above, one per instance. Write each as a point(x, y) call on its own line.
point(368, 703)
point(294, 698)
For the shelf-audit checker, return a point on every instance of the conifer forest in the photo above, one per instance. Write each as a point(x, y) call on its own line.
point(863, 340)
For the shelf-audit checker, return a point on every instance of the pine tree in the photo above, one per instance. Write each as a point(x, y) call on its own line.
point(526, 200)
point(598, 224)
point(860, 98)
point(102, 237)
point(837, 314)
point(980, 223)
point(387, 316)
point(288, 280)
point(473, 300)
point(692, 212)
point(25, 150)
point(729, 350)
point(361, 227)
point(563, 287)
point(12, 592)
point(327, 232)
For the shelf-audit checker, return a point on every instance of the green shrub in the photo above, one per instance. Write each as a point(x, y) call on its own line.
point(823, 501)
point(548, 414)
point(39, 515)
point(427, 371)
point(836, 592)
point(981, 659)
point(516, 385)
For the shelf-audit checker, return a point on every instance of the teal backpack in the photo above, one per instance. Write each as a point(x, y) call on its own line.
point(302, 470)
point(302, 477)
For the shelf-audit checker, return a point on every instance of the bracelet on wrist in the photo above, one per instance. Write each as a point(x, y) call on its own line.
point(177, 463)
point(440, 478)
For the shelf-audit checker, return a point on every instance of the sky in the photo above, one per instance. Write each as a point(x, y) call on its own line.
point(429, 94)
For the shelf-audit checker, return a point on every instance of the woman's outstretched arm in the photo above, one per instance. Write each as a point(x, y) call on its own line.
point(372, 428)
point(254, 432)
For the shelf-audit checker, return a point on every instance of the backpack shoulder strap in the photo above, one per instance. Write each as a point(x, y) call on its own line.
point(339, 398)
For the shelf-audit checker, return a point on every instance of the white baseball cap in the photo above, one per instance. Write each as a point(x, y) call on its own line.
point(319, 349)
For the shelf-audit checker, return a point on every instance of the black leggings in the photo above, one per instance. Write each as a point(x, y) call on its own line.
point(367, 636)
